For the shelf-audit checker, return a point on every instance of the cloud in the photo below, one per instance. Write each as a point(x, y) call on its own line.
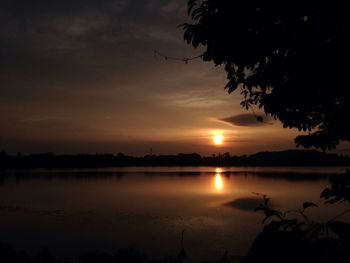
point(243, 120)
point(43, 25)
point(194, 99)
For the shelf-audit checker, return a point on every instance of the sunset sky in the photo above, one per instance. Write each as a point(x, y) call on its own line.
point(81, 76)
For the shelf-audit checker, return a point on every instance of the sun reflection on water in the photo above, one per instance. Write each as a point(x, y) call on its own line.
point(218, 181)
point(218, 170)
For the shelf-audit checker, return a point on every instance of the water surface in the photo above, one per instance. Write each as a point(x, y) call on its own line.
point(72, 211)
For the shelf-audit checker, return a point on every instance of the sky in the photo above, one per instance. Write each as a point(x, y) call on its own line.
point(81, 76)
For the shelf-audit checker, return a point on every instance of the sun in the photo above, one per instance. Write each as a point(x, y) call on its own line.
point(218, 139)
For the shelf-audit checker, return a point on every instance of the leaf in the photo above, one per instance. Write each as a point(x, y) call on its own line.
point(308, 204)
point(260, 208)
point(232, 85)
point(334, 200)
point(191, 4)
point(326, 193)
point(269, 213)
point(196, 13)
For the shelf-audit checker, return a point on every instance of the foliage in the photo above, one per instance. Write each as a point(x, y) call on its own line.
point(339, 190)
point(288, 238)
point(289, 58)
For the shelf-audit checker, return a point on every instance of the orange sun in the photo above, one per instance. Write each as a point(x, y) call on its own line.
point(218, 139)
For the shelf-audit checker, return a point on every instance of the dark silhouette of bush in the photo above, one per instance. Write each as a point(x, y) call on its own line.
point(291, 236)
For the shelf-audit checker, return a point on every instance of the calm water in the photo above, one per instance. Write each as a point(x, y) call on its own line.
point(72, 211)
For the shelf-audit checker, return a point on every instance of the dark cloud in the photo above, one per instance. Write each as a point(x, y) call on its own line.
point(60, 28)
point(74, 44)
point(36, 8)
point(244, 120)
point(20, 17)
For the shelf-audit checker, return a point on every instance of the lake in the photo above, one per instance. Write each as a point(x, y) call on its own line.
point(147, 208)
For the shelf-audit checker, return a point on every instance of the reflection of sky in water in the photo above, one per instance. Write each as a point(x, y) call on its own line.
point(78, 211)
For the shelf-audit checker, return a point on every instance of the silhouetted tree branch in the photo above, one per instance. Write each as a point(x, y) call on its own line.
point(166, 57)
point(289, 58)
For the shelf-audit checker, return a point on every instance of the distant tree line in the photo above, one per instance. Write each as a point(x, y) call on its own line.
point(283, 158)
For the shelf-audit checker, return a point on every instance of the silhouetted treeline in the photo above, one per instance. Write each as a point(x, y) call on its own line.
point(283, 158)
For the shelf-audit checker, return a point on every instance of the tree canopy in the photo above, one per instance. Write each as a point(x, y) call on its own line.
point(290, 58)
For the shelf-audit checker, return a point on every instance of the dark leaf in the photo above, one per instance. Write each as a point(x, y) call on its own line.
point(232, 85)
point(334, 200)
point(308, 204)
point(326, 193)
